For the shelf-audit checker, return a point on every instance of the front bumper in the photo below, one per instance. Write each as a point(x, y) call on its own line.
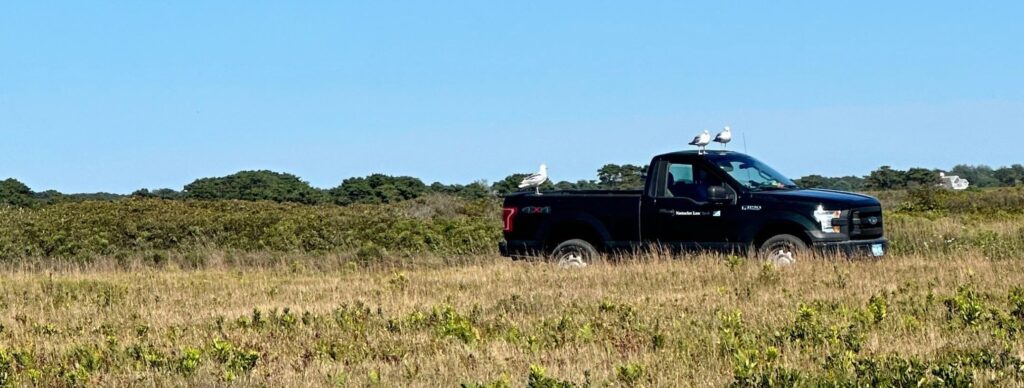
point(855, 248)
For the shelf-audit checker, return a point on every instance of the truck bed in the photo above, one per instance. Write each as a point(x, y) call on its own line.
point(542, 217)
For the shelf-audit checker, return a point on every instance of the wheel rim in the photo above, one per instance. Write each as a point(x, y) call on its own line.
point(781, 253)
point(572, 259)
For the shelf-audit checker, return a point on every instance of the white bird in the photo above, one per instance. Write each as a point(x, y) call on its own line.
point(724, 137)
point(953, 182)
point(702, 141)
point(535, 180)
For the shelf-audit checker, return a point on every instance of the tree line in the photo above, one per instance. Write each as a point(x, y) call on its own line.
point(266, 185)
point(888, 178)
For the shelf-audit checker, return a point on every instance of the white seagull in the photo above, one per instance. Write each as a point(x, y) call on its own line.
point(953, 182)
point(702, 141)
point(535, 180)
point(724, 137)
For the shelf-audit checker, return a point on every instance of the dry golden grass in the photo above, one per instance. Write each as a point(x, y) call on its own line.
point(643, 321)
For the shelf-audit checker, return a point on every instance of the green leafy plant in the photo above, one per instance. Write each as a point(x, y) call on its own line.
point(7, 372)
point(877, 308)
point(502, 382)
point(630, 374)
point(538, 379)
point(1016, 299)
point(734, 261)
point(189, 360)
point(244, 360)
point(769, 274)
point(450, 323)
point(966, 305)
point(235, 359)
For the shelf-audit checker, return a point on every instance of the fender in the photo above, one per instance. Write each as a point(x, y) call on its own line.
point(778, 217)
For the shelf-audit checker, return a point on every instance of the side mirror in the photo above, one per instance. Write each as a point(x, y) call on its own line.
point(720, 195)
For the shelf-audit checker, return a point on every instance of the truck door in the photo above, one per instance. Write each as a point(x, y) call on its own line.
point(678, 213)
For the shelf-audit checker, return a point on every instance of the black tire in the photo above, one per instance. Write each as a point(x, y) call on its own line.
point(783, 249)
point(574, 253)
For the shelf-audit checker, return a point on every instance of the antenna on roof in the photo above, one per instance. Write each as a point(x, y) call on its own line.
point(745, 143)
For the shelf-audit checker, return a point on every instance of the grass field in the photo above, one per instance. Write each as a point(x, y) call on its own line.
point(641, 322)
point(151, 292)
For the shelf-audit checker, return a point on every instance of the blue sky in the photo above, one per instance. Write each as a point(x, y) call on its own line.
point(115, 96)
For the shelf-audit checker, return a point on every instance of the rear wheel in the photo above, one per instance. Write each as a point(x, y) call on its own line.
point(783, 249)
point(574, 253)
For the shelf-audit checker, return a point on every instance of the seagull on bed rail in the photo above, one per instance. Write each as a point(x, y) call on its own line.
point(535, 180)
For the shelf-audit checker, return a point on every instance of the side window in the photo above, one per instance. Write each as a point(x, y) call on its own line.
point(679, 174)
point(685, 180)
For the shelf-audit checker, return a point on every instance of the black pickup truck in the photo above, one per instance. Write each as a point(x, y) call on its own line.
point(695, 201)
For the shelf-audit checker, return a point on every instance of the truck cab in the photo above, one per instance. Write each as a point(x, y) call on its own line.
point(717, 201)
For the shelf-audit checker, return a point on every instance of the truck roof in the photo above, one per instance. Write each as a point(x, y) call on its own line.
point(695, 152)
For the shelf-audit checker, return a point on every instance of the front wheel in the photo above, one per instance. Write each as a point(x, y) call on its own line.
point(783, 249)
point(574, 253)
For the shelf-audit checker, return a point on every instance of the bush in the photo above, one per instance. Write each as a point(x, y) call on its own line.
point(966, 305)
point(452, 324)
point(377, 188)
point(256, 186)
point(877, 307)
point(152, 227)
point(630, 374)
point(538, 379)
point(15, 193)
point(933, 199)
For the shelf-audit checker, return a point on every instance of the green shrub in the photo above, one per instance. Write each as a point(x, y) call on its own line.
point(539, 379)
point(502, 382)
point(255, 186)
point(966, 305)
point(1016, 299)
point(189, 360)
point(151, 228)
point(87, 357)
point(244, 360)
point(630, 374)
point(807, 326)
point(877, 307)
point(935, 200)
point(7, 365)
point(449, 323)
point(369, 252)
point(233, 358)
point(146, 356)
point(891, 371)
point(769, 274)
point(157, 232)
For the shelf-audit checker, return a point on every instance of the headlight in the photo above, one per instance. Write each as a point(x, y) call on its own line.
point(825, 217)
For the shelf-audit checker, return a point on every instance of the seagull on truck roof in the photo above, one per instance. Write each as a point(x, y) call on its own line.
point(535, 180)
point(724, 137)
point(702, 141)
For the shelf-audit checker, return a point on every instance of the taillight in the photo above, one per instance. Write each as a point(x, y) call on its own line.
point(507, 215)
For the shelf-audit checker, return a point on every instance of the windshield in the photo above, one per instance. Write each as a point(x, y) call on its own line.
point(751, 173)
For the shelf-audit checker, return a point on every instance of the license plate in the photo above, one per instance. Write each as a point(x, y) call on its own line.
point(877, 250)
